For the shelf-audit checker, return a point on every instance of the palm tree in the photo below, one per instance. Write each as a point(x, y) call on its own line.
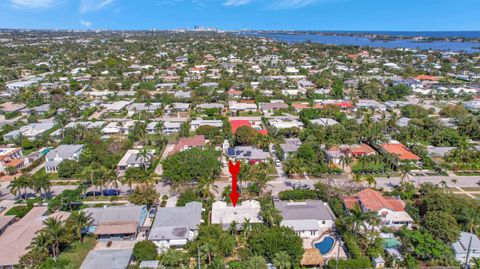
point(470, 220)
point(370, 180)
point(208, 249)
point(19, 184)
point(41, 242)
point(345, 160)
point(356, 219)
point(357, 178)
point(78, 221)
point(41, 184)
point(404, 172)
point(205, 185)
point(246, 227)
point(282, 260)
point(58, 234)
point(144, 153)
point(443, 183)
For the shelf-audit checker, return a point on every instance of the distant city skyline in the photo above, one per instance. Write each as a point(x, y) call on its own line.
point(335, 15)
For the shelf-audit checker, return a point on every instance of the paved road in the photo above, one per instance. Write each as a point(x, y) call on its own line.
point(168, 149)
point(461, 181)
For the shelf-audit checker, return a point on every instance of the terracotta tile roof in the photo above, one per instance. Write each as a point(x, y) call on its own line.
point(196, 141)
point(426, 77)
point(401, 151)
point(14, 162)
point(361, 149)
point(373, 201)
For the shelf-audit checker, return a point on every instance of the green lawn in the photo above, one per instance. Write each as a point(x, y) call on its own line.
point(73, 257)
point(18, 211)
point(467, 173)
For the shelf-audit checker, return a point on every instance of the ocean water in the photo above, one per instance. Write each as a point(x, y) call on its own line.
point(468, 47)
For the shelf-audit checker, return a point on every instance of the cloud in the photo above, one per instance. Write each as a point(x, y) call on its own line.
point(292, 4)
point(87, 24)
point(32, 4)
point(94, 5)
point(236, 3)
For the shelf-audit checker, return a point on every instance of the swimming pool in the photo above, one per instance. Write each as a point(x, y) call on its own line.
point(326, 245)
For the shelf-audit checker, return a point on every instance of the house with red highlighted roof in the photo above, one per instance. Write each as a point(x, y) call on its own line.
point(390, 210)
point(401, 151)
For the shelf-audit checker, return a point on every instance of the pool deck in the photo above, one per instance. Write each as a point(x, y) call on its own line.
point(309, 243)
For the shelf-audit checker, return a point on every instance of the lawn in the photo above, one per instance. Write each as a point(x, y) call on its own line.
point(458, 173)
point(72, 257)
point(18, 211)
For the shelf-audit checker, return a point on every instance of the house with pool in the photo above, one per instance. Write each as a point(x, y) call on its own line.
point(309, 219)
point(390, 209)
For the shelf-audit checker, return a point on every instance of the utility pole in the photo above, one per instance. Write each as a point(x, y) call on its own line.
point(467, 259)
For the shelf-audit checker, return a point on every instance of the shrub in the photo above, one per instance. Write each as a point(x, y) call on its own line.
point(145, 251)
point(297, 195)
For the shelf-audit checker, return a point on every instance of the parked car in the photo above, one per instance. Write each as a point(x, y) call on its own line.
point(92, 193)
point(111, 192)
point(152, 212)
point(278, 163)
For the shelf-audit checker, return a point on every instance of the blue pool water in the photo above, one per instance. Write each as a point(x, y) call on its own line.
point(325, 245)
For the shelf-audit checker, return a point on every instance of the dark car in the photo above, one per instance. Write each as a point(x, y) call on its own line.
point(111, 192)
point(92, 193)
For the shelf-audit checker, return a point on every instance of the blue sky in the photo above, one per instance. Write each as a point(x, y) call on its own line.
point(411, 15)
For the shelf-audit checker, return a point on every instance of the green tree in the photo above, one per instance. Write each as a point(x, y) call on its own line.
point(145, 195)
point(282, 260)
point(442, 225)
point(78, 221)
point(58, 234)
point(245, 135)
point(267, 242)
point(145, 250)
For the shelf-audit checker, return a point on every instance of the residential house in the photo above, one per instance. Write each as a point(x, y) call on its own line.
point(290, 147)
point(398, 149)
point(171, 127)
point(6, 221)
point(461, 247)
point(132, 158)
point(248, 153)
point(117, 222)
point(236, 107)
point(16, 239)
point(108, 259)
point(142, 107)
point(175, 226)
point(335, 153)
point(246, 211)
point(61, 153)
point(185, 143)
point(9, 107)
point(390, 210)
point(309, 219)
point(273, 106)
point(11, 157)
point(118, 127)
point(39, 110)
point(285, 123)
point(30, 131)
point(195, 124)
point(324, 122)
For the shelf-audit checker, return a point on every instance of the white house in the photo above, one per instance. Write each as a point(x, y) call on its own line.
point(224, 214)
point(309, 219)
point(460, 248)
point(390, 210)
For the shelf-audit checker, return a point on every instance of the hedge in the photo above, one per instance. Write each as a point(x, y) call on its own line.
point(298, 195)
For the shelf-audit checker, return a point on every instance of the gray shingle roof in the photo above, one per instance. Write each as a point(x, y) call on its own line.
point(309, 209)
point(116, 214)
point(107, 259)
point(176, 222)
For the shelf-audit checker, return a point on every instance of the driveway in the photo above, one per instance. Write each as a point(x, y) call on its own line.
point(168, 149)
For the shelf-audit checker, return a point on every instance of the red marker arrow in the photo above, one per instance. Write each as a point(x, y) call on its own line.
point(234, 170)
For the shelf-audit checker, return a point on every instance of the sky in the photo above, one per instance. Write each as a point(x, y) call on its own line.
point(368, 15)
